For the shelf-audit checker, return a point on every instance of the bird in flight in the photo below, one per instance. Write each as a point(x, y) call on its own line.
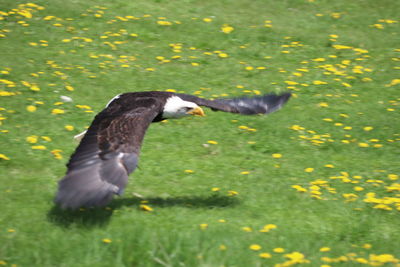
point(109, 150)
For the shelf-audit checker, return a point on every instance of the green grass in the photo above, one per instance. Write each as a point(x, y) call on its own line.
point(351, 198)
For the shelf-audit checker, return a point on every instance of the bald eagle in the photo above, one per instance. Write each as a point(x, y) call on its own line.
point(109, 149)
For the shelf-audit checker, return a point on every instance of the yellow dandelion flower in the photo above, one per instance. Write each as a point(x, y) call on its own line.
point(222, 247)
point(291, 82)
point(39, 147)
point(245, 172)
point(268, 227)
point(215, 189)
point(317, 82)
point(394, 82)
point(232, 193)
point(203, 226)
point(69, 127)
point(255, 247)
point(366, 79)
point(362, 260)
point(188, 171)
point(25, 13)
point(57, 111)
point(296, 257)
point(393, 177)
point(6, 93)
point(212, 142)
point(323, 105)
point(83, 106)
point(382, 207)
point(34, 87)
point(329, 166)
point(378, 26)
point(346, 84)
point(265, 255)
point(46, 138)
point(299, 188)
point(309, 169)
point(279, 250)
point(358, 188)
point(247, 229)
point(207, 19)
point(277, 156)
point(164, 23)
point(106, 240)
point(32, 139)
point(146, 207)
point(57, 153)
point(325, 249)
point(368, 128)
point(31, 108)
point(367, 246)
point(363, 144)
point(296, 127)
point(227, 28)
point(69, 88)
point(4, 157)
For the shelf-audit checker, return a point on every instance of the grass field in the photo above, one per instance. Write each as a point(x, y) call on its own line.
point(316, 183)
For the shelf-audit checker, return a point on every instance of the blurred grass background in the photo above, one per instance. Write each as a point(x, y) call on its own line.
point(316, 182)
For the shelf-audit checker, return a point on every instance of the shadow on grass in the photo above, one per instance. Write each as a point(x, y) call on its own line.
point(92, 217)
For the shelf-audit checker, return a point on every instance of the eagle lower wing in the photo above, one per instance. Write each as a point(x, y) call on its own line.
point(243, 105)
point(107, 154)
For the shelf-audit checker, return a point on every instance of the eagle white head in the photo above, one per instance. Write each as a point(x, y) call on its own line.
point(176, 107)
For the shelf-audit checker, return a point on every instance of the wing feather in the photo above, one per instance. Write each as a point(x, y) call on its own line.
point(107, 154)
point(243, 105)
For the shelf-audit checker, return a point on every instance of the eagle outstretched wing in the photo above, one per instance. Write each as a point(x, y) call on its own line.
point(107, 154)
point(243, 105)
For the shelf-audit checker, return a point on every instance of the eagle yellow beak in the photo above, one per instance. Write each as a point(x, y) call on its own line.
point(197, 111)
